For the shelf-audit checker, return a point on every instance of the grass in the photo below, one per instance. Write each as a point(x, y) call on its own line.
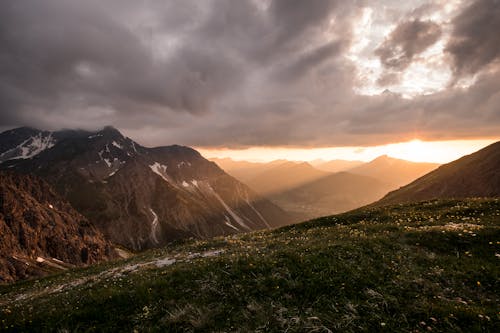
point(431, 266)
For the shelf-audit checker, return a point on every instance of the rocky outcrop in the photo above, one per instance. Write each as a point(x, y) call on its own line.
point(41, 233)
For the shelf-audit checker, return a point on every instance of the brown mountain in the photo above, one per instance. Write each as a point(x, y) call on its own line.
point(335, 165)
point(474, 175)
point(306, 192)
point(143, 197)
point(244, 170)
point(334, 193)
point(284, 177)
point(393, 171)
point(40, 232)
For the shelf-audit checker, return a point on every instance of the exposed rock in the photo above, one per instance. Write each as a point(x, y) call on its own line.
point(40, 232)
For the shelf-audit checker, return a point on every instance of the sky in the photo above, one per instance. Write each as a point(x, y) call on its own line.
point(242, 76)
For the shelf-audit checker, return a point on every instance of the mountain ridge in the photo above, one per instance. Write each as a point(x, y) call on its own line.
point(126, 188)
point(473, 175)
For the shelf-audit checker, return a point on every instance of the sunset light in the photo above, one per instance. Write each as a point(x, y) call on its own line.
point(414, 150)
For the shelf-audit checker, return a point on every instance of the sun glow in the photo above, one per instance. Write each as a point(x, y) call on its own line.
point(415, 150)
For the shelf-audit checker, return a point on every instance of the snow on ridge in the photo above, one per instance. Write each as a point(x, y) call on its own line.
point(117, 145)
point(30, 147)
point(185, 184)
point(133, 146)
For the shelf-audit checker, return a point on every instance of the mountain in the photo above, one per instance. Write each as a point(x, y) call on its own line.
point(335, 165)
point(40, 232)
point(306, 192)
point(284, 176)
point(393, 171)
point(244, 170)
point(474, 175)
point(144, 197)
point(331, 194)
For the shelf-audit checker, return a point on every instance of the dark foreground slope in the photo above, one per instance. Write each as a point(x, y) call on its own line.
point(421, 267)
point(41, 233)
point(474, 175)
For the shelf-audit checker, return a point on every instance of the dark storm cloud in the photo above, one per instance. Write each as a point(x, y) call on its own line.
point(474, 43)
point(407, 40)
point(224, 72)
point(58, 50)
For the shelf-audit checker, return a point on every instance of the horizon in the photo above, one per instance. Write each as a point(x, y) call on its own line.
point(439, 152)
point(416, 150)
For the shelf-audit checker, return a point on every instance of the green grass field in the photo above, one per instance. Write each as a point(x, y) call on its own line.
point(426, 267)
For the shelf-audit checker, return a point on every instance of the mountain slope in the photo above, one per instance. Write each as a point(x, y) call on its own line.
point(306, 192)
point(393, 171)
point(145, 197)
point(244, 170)
point(335, 165)
point(426, 267)
point(284, 176)
point(334, 193)
point(474, 175)
point(40, 232)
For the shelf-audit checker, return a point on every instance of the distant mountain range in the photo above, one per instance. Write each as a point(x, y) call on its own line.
point(280, 177)
point(334, 193)
point(306, 192)
point(474, 175)
point(394, 171)
point(41, 233)
point(335, 165)
point(138, 197)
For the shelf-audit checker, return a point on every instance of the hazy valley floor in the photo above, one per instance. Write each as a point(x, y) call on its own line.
point(432, 266)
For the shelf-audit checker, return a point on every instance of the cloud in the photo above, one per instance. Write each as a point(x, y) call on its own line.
point(227, 73)
point(474, 42)
point(408, 39)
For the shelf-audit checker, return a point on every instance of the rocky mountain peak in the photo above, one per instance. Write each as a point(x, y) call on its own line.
point(144, 197)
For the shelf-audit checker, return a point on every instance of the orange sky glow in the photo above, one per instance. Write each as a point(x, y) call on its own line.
point(414, 150)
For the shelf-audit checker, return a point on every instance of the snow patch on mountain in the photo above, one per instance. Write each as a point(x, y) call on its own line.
point(258, 213)
point(155, 227)
point(180, 164)
point(231, 212)
point(228, 223)
point(30, 147)
point(161, 170)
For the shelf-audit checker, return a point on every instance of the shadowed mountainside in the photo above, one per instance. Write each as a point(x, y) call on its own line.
point(41, 233)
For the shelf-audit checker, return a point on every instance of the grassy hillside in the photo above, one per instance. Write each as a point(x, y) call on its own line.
point(432, 266)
